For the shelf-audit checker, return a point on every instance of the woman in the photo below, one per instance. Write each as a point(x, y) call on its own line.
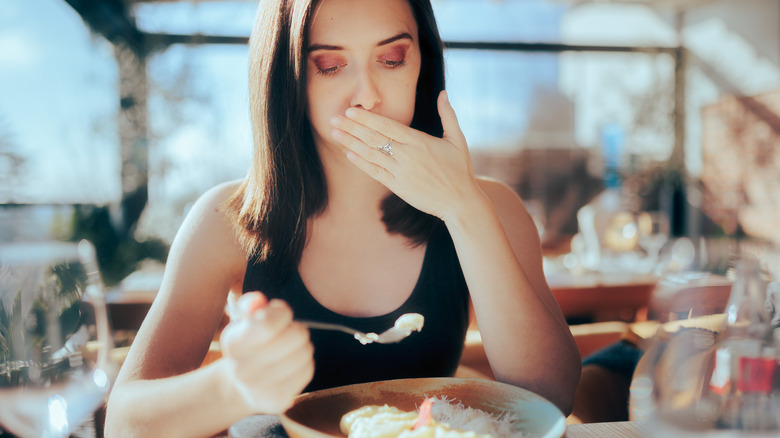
point(361, 204)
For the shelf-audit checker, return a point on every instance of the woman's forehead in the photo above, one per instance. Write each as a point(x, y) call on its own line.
point(347, 23)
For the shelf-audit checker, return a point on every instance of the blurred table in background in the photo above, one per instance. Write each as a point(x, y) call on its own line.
point(596, 297)
point(583, 297)
point(129, 302)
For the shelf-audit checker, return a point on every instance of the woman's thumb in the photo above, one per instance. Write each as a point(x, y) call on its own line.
point(449, 120)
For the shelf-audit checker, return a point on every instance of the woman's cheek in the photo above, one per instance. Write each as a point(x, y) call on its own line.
point(320, 109)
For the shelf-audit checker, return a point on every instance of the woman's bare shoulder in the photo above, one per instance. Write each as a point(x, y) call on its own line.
point(216, 196)
point(510, 209)
point(210, 206)
point(208, 229)
point(501, 195)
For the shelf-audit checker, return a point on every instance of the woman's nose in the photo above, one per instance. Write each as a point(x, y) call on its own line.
point(366, 94)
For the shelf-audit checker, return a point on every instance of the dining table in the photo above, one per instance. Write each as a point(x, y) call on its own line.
point(602, 296)
point(617, 429)
point(129, 301)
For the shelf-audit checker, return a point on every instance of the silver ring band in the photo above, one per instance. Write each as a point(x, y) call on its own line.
point(387, 148)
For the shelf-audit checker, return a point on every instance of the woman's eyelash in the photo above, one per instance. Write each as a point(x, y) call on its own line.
point(392, 63)
point(329, 70)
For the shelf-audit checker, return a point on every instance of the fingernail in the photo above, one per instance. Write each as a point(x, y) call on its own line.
point(277, 304)
point(351, 113)
point(258, 303)
point(335, 121)
point(446, 97)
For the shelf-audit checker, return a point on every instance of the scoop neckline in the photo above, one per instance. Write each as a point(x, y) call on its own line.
point(393, 314)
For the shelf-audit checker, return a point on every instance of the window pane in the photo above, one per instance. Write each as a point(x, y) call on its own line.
point(199, 128)
point(58, 131)
point(207, 17)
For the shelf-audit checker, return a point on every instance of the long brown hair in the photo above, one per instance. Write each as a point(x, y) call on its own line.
point(286, 182)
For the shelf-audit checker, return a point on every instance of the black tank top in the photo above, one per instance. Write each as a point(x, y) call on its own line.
point(440, 295)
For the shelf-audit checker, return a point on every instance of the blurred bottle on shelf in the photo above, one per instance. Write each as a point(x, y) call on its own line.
point(606, 224)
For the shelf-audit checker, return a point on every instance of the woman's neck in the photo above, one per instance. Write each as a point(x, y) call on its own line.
point(351, 192)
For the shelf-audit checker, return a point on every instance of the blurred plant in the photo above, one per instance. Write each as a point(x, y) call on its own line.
point(7, 319)
point(21, 325)
point(119, 252)
point(741, 166)
point(656, 177)
point(651, 131)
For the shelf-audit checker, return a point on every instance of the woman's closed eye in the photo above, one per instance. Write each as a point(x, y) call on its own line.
point(394, 57)
point(329, 64)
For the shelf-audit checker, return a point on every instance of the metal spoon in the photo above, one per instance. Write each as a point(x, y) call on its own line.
point(403, 327)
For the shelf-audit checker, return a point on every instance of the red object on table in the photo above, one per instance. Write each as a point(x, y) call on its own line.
point(756, 374)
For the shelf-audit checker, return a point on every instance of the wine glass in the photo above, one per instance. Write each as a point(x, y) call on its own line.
point(55, 368)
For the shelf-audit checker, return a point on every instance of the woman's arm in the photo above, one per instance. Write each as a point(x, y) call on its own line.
point(524, 333)
point(161, 389)
point(526, 338)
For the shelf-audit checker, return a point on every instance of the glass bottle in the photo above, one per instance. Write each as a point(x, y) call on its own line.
point(745, 361)
point(606, 224)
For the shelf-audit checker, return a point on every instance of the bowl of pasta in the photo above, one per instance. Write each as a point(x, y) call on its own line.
point(423, 407)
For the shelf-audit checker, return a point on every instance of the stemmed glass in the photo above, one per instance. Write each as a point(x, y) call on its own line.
point(55, 367)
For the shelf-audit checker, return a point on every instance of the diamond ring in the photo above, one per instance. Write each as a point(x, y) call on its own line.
point(387, 148)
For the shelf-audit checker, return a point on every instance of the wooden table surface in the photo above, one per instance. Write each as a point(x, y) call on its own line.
point(621, 429)
point(602, 297)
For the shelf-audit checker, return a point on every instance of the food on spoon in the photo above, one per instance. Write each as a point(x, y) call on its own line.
point(410, 322)
point(406, 324)
point(437, 417)
point(367, 338)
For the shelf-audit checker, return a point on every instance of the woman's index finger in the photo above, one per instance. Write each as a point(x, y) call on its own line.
point(384, 125)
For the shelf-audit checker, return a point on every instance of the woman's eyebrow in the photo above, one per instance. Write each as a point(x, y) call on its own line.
point(400, 36)
point(315, 47)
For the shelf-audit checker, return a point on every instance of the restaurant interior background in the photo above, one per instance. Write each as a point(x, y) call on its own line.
point(116, 115)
